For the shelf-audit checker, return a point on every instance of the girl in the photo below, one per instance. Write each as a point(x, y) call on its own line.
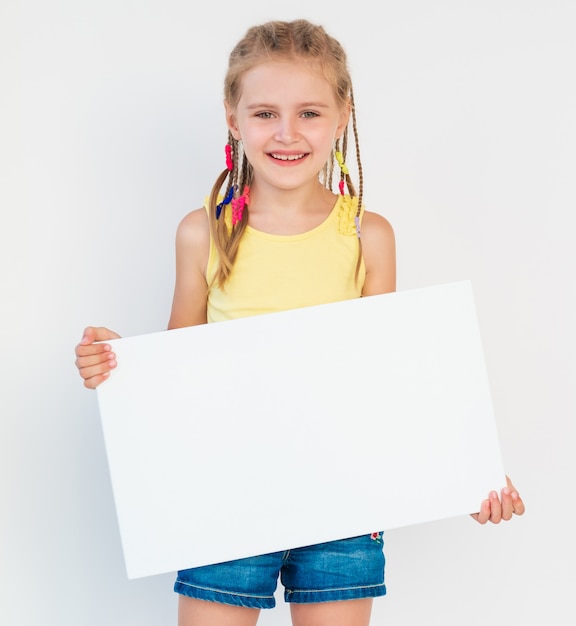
point(273, 236)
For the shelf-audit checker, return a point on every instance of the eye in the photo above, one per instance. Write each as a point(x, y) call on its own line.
point(265, 115)
point(309, 114)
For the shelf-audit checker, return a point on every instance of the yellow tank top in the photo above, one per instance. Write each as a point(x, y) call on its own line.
point(279, 272)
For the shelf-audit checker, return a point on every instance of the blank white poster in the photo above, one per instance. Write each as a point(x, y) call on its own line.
point(266, 433)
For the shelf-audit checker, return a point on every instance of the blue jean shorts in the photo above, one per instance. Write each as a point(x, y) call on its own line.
point(347, 569)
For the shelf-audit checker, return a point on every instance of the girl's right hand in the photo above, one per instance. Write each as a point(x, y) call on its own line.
point(95, 360)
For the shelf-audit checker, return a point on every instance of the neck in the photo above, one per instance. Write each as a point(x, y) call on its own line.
point(289, 211)
point(301, 200)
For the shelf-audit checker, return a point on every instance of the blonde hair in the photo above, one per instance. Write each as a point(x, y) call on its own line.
point(283, 41)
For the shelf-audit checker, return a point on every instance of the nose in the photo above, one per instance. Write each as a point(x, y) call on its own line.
point(286, 130)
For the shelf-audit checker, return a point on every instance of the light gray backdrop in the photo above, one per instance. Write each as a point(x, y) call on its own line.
point(111, 130)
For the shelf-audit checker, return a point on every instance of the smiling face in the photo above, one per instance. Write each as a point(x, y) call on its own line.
point(287, 117)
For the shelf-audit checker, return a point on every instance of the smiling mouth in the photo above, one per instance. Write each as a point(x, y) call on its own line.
point(287, 157)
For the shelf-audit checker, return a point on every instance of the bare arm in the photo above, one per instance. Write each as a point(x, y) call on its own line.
point(191, 289)
point(379, 251)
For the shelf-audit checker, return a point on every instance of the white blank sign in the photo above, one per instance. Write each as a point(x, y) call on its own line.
point(266, 433)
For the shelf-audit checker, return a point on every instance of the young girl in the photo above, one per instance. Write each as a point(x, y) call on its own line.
point(273, 236)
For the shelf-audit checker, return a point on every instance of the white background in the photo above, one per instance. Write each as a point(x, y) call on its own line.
point(111, 129)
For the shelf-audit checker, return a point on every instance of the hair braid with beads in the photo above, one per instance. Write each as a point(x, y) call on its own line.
point(284, 41)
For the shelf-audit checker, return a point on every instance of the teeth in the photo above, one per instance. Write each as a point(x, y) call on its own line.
point(288, 157)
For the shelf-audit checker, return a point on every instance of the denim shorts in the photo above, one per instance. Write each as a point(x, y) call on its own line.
point(347, 569)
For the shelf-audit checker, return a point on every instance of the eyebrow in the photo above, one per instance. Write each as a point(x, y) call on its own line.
point(302, 105)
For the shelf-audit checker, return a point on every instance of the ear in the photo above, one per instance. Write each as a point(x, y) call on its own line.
point(232, 122)
point(344, 119)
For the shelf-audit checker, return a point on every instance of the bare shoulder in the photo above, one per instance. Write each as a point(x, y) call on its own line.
point(376, 228)
point(379, 252)
point(193, 242)
point(194, 228)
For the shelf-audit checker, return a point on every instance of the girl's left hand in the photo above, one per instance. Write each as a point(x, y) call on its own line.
point(500, 508)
